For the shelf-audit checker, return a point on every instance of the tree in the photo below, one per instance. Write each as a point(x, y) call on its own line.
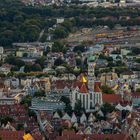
point(18, 19)
point(27, 68)
point(138, 90)
point(27, 101)
point(111, 64)
point(31, 32)
point(68, 107)
point(14, 61)
point(136, 51)
point(48, 49)
point(118, 57)
point(41, 61)
point(15, 68)
point(107, 90)
point(119, 63)
point(2, 75)
point(107, 108)
point(31, 113)
point(20, 127)
point(78, 109)
point(20, 23)
point(138, 60)
point(68, 25)
point(80, 48)
point(6, 119)
point(7, 36)
point(101, 56)
point(78, 62)
point(25, 54)
point(111, 24)
point(109, 59)
point(60, 32)
point(65, 99)
point(58, 46)
point(36, 67)
point(120, 69)
point(39, 93)
point(107, 139)
point(58, 62)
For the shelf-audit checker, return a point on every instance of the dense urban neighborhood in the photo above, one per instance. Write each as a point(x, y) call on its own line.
point(69, 70)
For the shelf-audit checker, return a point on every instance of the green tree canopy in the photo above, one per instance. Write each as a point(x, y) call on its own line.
point(107, 90)
point(58, 62)
point(107, 108)
point(78, 108)
point(14, 61)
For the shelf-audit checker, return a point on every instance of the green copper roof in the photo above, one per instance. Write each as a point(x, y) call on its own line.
point(91, 58)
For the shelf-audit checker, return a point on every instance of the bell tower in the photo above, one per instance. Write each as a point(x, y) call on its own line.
point(91, 72)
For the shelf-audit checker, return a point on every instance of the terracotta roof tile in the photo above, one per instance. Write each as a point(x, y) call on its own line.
point(11, 135)
point(97, 87)
point(61, 84)
point(136, 95)
point(83, 88)
point(67, 135)
point(16, 135)
point(111, 98)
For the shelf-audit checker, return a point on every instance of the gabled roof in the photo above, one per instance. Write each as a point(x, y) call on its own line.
point(56, 116)
point(74, 118)
point(16, 135)
point(66, 117)
point(61, 84)
point(136, 95)
point(83, 88)
point(80, 132)
point(91, 118)
point(11, 135)
point(71, 135)
point(83, 118)
point(100, 113)
point(97, 87)
point(88, 130)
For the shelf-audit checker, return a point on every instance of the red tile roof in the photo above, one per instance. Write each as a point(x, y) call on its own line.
point(11, 135)
point(16, 135)
point(111, 98)
point(70, 135)
point(125, 103)
point(83, 88)
point(136, 95)
point(97, 87)
point(61, 84)
point(19, 114)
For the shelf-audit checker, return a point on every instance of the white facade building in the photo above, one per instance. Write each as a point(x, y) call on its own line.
point(89, 93)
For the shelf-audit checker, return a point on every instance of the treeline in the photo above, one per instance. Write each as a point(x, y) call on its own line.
point(75, 11)
point(20, 23)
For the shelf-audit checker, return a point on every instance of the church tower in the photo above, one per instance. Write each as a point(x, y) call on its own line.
point(91, 72)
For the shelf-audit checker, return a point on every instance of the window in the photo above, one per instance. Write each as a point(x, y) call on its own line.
point(94, 98)
point(90, 96)
point(87, 101)
point(76, 96)
point(90, 104)
point(84, 101)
